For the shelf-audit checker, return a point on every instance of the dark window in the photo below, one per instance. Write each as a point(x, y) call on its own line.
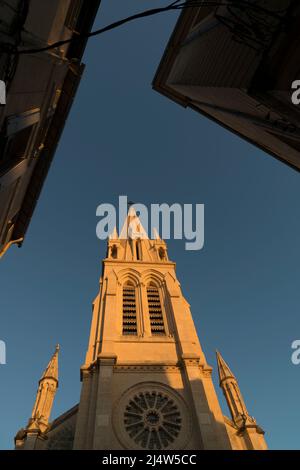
point(15, 136)
point(114, 252)
point(155, 311)
point(138, 250)
point(162, 254)
point(14, 147)
point(129, 311)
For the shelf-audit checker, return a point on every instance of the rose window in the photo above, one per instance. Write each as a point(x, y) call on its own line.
point(152, 420)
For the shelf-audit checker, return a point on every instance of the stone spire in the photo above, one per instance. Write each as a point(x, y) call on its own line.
point(223, 369)
point(114, 234)
point(243, 421)
point(133, 243)
point(28, 437)
point(156, 234)
point(231, 390)
point(48, 385)
point(132, 227)
point(51, 371)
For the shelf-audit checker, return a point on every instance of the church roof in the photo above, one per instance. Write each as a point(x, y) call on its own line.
point(64, 417)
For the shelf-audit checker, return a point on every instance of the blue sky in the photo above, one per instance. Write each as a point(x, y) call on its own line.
point(243, 286)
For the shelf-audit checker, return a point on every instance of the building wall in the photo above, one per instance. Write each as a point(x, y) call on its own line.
point(240, 76)
point(35, 83)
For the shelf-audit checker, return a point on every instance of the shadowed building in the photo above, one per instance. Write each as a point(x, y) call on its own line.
point(145, 381)
point(236, 65)
point(40, 88)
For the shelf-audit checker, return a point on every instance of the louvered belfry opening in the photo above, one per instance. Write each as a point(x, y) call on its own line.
point(155, 311)
point(129, 311)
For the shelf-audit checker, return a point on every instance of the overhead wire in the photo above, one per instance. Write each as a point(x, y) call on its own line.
point(176, 5)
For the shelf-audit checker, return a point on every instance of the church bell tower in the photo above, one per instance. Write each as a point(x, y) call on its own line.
point(145, 381)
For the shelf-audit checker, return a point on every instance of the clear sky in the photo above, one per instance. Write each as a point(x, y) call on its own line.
point(243, 286)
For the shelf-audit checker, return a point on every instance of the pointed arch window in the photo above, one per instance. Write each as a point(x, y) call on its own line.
point(162, 254)
point(155, 311)
point(114, 252)
point(129, 310)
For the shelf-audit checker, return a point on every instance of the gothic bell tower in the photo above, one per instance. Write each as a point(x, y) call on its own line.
point(145, 381)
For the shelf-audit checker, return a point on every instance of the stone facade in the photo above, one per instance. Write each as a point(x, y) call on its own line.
point(145, 381)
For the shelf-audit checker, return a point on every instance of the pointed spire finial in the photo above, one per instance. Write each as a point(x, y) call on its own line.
point(51, 370)
point(156, 234)
point(114, 234)
point(223, 368)
point(132, 227)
